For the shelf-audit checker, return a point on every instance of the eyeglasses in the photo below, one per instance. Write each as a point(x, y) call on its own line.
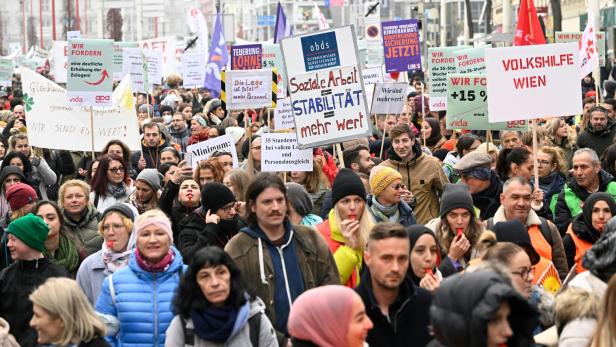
point(525, 273)
point(116, 169)
point(544, 162)
point(399, 186)
point(114, 226)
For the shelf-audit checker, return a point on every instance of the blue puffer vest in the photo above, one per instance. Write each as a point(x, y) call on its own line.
point(143, 302)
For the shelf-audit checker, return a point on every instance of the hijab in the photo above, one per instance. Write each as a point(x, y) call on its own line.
point(415, 232)
point(590, 203)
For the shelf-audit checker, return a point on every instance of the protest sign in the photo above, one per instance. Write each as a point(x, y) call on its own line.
point(526, 82)
point(71, 35)
point(272, 59)
point(248, 89)
point(90, 63)
point(118, 58)
point(60, 61)
point(247, 57)
point(371, 76)
point(471, 60)
point(441, 62)
point(169, 49)
point(401, 45)
point(52, 123)
point(280, 153)
point(204, 149)
point(133, 65)
point(193, 69)
point(155, 66)
point(283, 115)
point(467, 106)
point(6, 72)
point(326, 87)
point(574, 36)
point(389, 98)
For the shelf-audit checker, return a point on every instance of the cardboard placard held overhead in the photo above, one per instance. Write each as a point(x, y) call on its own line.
point(527, 82)
point(59, 63)
point(133, 65)
point(441, 61)
point(389, 98)
point(193, 70)
point(371, 76)
point(118, 58)
point(471, 60)
point(6, 72)
point(90, 64)
point(247, 57)
point(204, 149)
point(401, 45)
point(283, 115)
point(467, 106)
point(248, 89)
point(574, 36)
point(272, 59)
point(280, 153)
point(326, 86)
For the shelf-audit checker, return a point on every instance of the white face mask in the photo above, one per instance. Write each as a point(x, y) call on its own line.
point(167, 119)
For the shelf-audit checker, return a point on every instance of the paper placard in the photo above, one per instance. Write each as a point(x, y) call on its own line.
point(283, 115)
point(401, 45)
point(203, 150)
point(59, 63)
point(90, 64)
point(389, 98)
point(133, 65)
point(248, 89)
point(193, 70)
point(6, 72)
point(280, 152)
point(247, 57)
point(441, 62)
point(471, 60)
point(574, 36)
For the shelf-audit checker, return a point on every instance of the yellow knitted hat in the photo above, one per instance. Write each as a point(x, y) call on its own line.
point(381, 177)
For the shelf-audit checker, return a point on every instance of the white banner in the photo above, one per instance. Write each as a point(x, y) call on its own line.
point(248, 89)
point(527, 82)
point(203, 150)
point(193, 70)
point(283, 115)
point(280, 152)
point(60, 61)
point(389, 98)
point(52, 123)
point(167, 46)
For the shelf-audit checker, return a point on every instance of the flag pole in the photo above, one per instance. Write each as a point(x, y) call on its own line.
point(92, 131)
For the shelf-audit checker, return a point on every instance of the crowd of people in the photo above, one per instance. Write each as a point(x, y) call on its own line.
point(417, 235)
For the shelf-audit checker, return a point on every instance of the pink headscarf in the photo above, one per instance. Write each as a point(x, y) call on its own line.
point(322, 315)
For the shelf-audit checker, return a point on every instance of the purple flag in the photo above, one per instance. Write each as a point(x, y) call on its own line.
point(219, 56)
point(283, 27)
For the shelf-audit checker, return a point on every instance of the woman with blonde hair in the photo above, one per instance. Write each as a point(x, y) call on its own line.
point(80, 216)
point(64, 317)
point(560, 135)
point(237, 180)
point(552, 170)
point(315, 182)
point(605, 335)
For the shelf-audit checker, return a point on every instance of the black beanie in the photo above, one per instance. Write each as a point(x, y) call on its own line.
point(347, 183)
point(515, 232)
point(456, 196)
point(214, 196)
point(122, 208)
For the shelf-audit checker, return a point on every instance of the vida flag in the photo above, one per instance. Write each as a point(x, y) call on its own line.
point(528, 31)
point(589, 53)
point(219, 56)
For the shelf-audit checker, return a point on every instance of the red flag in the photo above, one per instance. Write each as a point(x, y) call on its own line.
point(528, 31)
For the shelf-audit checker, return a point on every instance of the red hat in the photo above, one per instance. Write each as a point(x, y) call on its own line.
point(19, 195)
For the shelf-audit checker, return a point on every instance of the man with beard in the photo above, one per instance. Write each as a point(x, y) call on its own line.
point(599, 132)
point(358, 159)
point(280, 260)
point(398, 309)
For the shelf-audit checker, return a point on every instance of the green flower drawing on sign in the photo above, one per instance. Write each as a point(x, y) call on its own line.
point(28, 102)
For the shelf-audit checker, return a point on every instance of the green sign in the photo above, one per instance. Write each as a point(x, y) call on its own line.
point(574, 36)
point(471, 60)
point(90, 65)
point(6, 72)
point(441, 62)
point(467, 106)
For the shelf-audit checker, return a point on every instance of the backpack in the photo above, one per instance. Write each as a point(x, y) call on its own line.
point(254, 328)
point(544, 227)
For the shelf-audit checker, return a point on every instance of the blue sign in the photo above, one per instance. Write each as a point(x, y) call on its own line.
point(266, 21)
point(320, 51)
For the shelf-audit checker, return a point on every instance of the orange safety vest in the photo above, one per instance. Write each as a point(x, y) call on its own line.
point(541, 245)
point(581, 247)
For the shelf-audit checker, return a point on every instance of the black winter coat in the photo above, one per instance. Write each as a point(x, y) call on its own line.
point(16, 283)
point(196, 234)
point(166, 203)
point(96, 342)
point(408, 315)
point(488, 200)
point(597, 140)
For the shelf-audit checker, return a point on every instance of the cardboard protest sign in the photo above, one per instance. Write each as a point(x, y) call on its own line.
point(527, 82)
point(133, 65)
point(155, 66)
point(6, 72)
point(169, 49)
point(574, 36)
point(471, 60)
point(90, 63)
point(272, 59)
point(59, 62)
point(247, 57)
point(280, 152)
point(371, 76)
point(401, 45)
point(441, 61)
point(52, 123)
point(389, 98)
point(203, 150)
point(75, 34)
point(118, 58)
point(326, 87)
point(193, 69)
point(467, 106)
point(248, 89)
point(283, 115)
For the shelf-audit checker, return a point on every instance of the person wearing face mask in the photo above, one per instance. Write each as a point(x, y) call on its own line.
point(587, 227)
point(212, 224)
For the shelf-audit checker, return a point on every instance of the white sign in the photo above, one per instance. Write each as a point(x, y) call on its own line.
point(527, 82)
point(248, 89)
point(203, 150)
point(132, 63)
point(371, 76)
point(155, 66)
point(280, 152)
point(60, 61)
point(283, 115)
point(52, 123)
point(167, 46)
point(193, 70)
point(389, 98)
point(75, 34)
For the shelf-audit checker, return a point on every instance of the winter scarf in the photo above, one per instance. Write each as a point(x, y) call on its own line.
point(117, 192)
point(114, 261)
point(66, 255)
point(385, 213)
point(161, 266)
point(217, 324)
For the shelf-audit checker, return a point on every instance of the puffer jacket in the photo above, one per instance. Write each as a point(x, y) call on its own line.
point(85, 230)
point(240, 337)
point(424, 177)
point(142, 310)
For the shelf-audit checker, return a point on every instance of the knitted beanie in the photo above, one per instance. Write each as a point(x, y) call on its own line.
point(156, 218)
point(456, 196)
point(347, 183)
point(381, 177)
point(299, 198)
point(31, 230)
point(19, 195)
point(152, 177)
point(214, 196)
point(121, 208)
point(515, 232)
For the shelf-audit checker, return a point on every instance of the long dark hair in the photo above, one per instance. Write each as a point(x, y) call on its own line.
point(508, 156)
point(99, 180)
point(608, 160)
point(189, 296)
point(259, 183)
point(125, 149)
point(25, 161)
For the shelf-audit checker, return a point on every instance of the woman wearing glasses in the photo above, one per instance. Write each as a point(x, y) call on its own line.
point(552, 170)
point(386, 202)
point(111, 183)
